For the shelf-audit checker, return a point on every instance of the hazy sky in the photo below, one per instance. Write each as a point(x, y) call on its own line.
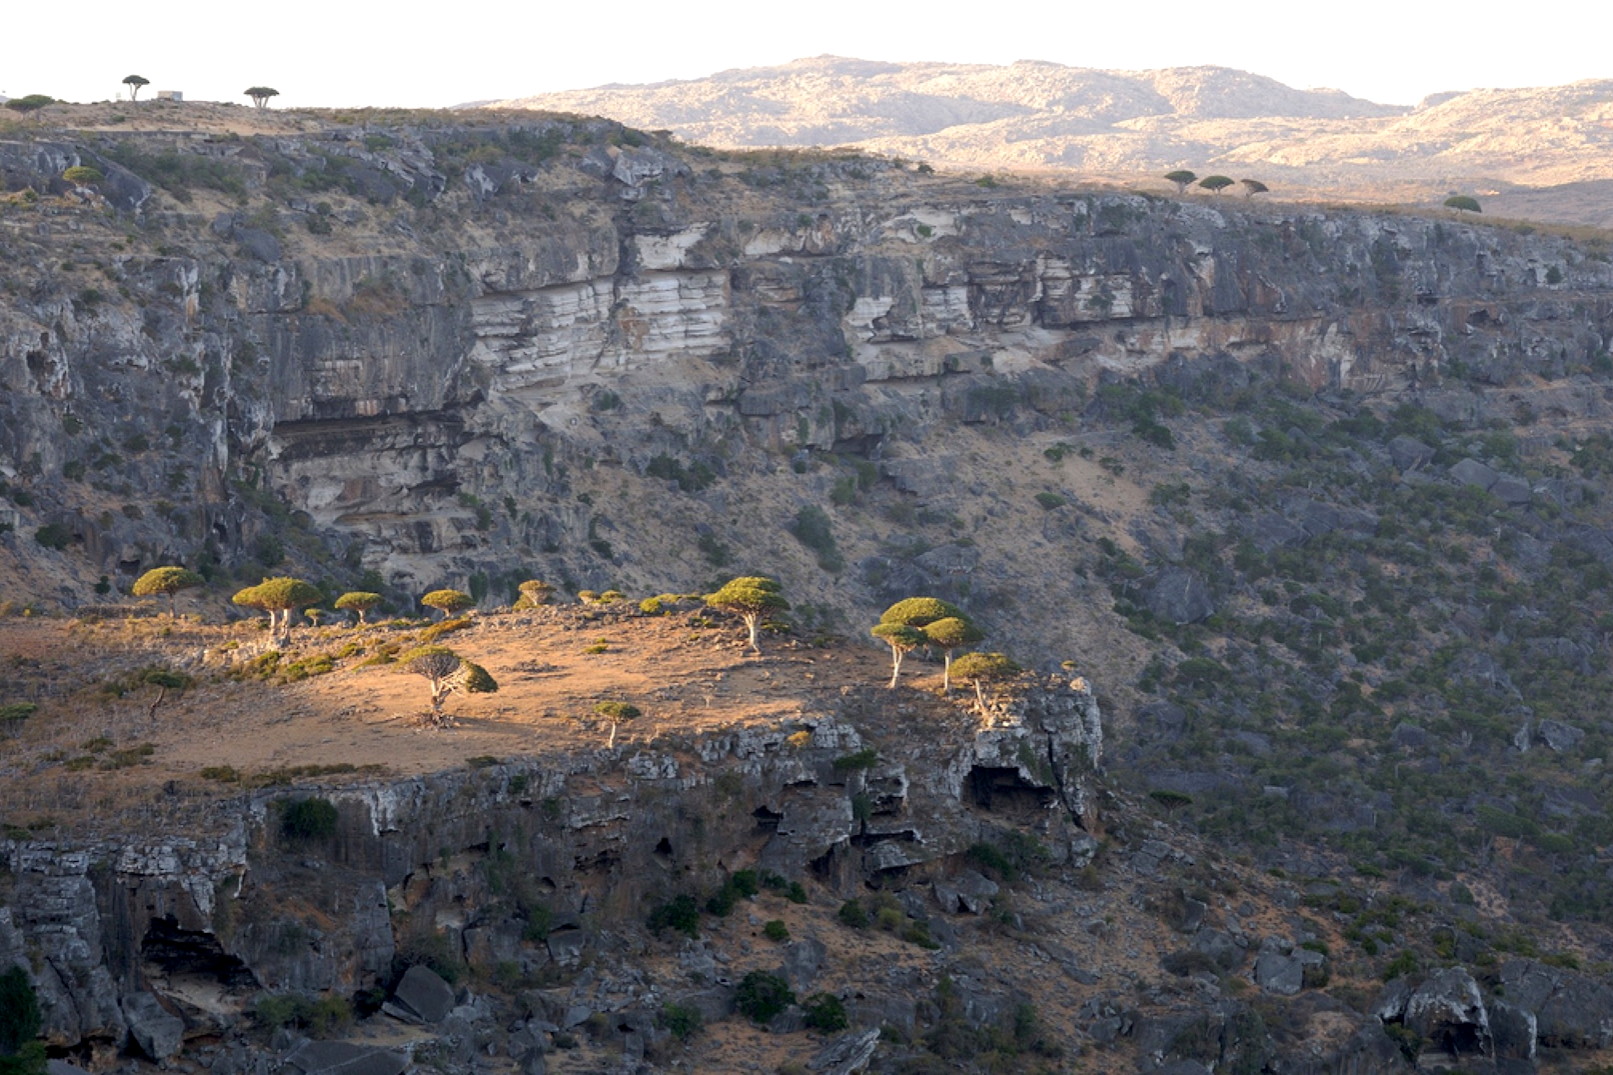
point(333, 53)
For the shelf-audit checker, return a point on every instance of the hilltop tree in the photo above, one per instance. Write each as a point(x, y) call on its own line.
point(33, 102)
point(920, 611)
point(1182, 178)
point(1464, 203)
point(534, 593)
point(448, 602)
point(135, 82)
point(447, 672)
point(982, 668)
point(750, 598)
point(902, 640)
point(1251, 187)
point(616, 712)
point(279, 597)
point(948, 635)
point(165, 582)
point(359, 601)
point(1215, 184)
point(260, 95)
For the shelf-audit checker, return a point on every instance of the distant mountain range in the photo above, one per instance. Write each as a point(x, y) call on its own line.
point(1545, 153)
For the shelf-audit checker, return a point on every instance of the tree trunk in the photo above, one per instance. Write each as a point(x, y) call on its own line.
point(946, 673)
point(753, 622)
point(896, 664)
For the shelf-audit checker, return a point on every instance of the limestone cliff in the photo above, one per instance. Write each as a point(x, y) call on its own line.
point(543, 866)
point(460, 356)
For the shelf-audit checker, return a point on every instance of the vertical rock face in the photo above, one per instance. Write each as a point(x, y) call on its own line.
point(137, 936)
point(502, 341)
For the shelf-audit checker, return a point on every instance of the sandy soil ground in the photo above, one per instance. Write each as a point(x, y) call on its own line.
point(71, 759)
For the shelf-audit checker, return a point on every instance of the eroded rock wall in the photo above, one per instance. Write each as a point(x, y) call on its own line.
point(465, 860)
point(495, 342)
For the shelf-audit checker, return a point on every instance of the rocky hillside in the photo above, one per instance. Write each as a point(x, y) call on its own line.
point(781, 863)
point(1316, 500)
point(1512, 148)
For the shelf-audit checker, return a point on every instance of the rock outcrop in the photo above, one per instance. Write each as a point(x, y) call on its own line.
point(152, 942)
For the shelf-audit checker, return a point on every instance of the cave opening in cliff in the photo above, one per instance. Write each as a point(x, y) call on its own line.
point(1458, 1039)
point(767, 820)
point(180, 951)
point(1004, 790)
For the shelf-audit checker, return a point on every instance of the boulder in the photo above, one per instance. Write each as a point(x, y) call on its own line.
point(1572, 1010)
point(846, 1054)
point(803, 960)
point(1178, 595)
point(344, 1058)
point(970, 892)
point(421, 997)
point(1409, 453)
point(1557, 736)
point(1408, 736)
point(1514, 491)
point(157, 1032)
point(1222, 949)
point(1269, 532)
point(1473, 472)
point(1448, 1011)
point(1513, 1030)
point(1281, 968)
point(1316, 518)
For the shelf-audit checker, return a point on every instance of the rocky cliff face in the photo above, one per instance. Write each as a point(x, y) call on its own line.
point(541, 867)
point(436, 379)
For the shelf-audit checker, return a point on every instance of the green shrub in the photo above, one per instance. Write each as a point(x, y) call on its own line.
point(321, 1017)
point(318, 664)
point(853, 914)
point(866, 758)
point(811, 528)
point(20, 1022)
point(918, 933)
point(680, 913)
point(446, 627)
point(776, 930)
point(761, 996)
point(54, 536)
point(308, 819)
point(1404, 963)
point(681, 1020)
point(825, 1012)
point(17, 711)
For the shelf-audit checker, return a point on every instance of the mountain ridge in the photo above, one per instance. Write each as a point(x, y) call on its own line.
point(1119, 125)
